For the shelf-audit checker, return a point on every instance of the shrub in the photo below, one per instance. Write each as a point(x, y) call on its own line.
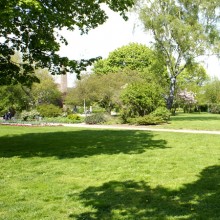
point(95, 119)
point(214, 108)
point(29, 115)
point(141, 98)
point(147, 120)
point(49, 110)
point(112, 120)
point(74, 118)
point(126, 115)
point(162, 112)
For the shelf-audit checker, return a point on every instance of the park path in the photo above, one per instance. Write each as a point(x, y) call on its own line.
point(141, 128)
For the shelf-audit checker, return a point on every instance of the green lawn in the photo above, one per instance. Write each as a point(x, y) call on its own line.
point(67, 173)
point(197, 121)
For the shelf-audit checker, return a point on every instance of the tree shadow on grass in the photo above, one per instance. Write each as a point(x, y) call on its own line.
point(131, 200)
point(79, 143)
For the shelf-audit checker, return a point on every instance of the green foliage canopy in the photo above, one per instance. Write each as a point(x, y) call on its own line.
point(45, 92)
point(104, 89)
point(49, 110)
point(13, 98)
point(31, 27)
point(18, 97)
point(133, 56)
point(182, 30)
point(212, 91)
point(145, 92)
point(193, 76)
point(141, 98)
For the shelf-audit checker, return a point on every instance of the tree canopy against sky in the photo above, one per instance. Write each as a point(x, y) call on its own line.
point(134, 56)
point(32, 28)
point(183, 30)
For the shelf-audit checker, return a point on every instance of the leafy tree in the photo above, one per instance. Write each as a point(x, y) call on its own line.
point(211, 95)
point(45, 92)
point(192, 80)
point(139, 60)
point(133, 56)
point(85, 89)
point(104, 89)
point(193, 77)
point(187, 100)
point(112, 86)
point(145, 69)
point(182, 30)
point(141, 98)
point(13, 99)
point(31, 27)
point(212, 91)
point(18, 97)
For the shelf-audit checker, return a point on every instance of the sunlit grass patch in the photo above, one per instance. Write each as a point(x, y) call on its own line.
point(197, 121)
point(66, 173)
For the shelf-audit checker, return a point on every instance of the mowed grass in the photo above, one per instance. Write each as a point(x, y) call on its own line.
point(69, 173)
point(197, 121)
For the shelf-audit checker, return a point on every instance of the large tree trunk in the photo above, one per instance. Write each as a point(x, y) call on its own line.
point(171, 96)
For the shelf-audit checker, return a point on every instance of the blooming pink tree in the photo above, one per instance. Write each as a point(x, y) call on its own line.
point(187, 99)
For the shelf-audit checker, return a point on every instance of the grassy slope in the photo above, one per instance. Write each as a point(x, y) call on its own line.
point(66, 173)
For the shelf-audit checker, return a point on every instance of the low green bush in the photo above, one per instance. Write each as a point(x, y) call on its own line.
point(162, 112)
point(126, 115)
point(29, 115)
point(214, 108)
point(147, 120)
point(49, 110)
point(74, 118)
point(113, 120)
point(95, 119)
